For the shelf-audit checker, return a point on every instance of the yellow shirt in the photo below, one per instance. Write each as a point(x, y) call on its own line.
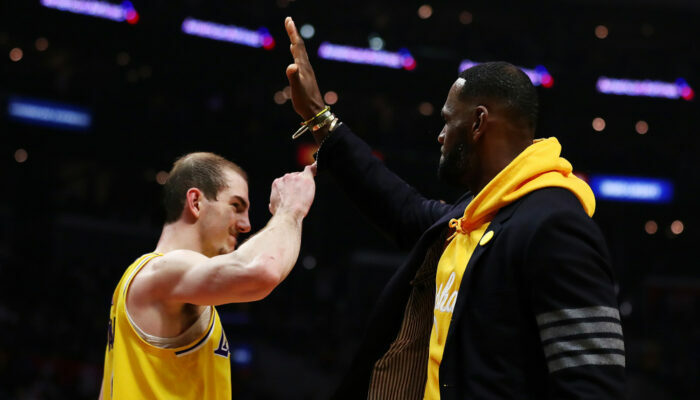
point(135, 369)
point(448, 278)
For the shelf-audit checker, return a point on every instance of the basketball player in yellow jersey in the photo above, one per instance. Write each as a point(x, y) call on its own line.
point(165, 340)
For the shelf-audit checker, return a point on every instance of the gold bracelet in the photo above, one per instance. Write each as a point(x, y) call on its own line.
point(322, 121)
point(317, 122)
point(307, 122)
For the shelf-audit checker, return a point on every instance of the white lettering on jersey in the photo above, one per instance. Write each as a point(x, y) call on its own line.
point(444, 298)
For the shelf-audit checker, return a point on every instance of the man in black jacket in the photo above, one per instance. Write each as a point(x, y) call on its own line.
point(508, 293)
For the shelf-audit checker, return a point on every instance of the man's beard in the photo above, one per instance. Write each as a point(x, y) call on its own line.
point(453, 165)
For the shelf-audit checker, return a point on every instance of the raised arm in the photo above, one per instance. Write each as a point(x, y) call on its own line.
point(392, 204)
point(247, 274)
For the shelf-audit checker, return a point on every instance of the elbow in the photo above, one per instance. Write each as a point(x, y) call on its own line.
point(267, 277)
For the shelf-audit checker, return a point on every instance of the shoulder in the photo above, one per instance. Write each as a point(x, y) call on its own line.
point(555, 220)
point(551, 209)
point(544, 205)
point(552, 200)
point(176, 259)
point(162, 272)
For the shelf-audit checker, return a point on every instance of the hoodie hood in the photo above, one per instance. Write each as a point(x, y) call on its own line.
point(537, 167)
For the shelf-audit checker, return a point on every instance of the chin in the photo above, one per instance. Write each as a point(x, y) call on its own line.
point(453, 167)
point(225, 250)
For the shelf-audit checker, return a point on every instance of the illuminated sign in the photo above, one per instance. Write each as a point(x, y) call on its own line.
point(48, 113)
point(622, 188)
point(229, 33)
point(669, 90)
point(358, 55)
point(124, 11)
point(538, 76)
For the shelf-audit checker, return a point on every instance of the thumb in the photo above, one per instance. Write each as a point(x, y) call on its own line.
point(310, 169)
point(293, 73)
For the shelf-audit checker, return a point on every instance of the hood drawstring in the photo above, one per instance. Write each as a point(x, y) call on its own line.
point(463, 226)
point(455, 223)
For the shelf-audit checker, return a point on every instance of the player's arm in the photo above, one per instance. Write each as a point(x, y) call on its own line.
point(574, 305)
point(250, 272)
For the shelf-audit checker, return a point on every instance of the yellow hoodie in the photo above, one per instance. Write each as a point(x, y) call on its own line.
point(537, 167)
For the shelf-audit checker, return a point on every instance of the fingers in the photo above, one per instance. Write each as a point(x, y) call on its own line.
point(294, 37)
point(297, 43)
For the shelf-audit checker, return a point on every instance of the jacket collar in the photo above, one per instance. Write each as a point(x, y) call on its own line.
point(456, 212)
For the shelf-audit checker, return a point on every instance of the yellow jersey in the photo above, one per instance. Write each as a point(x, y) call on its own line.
point(135, 369)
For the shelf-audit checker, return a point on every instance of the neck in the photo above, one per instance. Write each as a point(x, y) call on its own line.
point(178, 235)
point(496, 153)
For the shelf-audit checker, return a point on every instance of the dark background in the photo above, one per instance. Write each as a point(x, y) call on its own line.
point(84, 205)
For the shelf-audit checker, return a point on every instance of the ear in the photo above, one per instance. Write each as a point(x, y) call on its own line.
point(481, 120)
point(193, 202)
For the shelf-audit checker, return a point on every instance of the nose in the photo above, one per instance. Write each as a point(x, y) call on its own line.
point(243, 224)
point(441, 137)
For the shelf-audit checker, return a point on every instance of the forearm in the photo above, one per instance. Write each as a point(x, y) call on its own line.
point(392, 204)
point(275, 248)
point(249, 273)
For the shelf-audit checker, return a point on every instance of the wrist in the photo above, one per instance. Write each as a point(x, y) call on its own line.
point(291, 215)
point(318, 121)
point(314, 110)
point(323, 134)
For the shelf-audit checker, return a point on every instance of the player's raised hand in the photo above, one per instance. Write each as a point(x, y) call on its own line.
point(294, 192)
point(306, 97)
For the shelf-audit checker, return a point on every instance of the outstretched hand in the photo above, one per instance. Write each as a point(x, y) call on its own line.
point(306, 97)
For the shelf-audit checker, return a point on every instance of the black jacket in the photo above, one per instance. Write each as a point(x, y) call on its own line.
point(536, 316)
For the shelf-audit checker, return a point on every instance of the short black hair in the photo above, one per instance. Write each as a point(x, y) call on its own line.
point(504, 82)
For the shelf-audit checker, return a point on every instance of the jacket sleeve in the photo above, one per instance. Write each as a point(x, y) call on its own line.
point(393, 205)
point(574, 306)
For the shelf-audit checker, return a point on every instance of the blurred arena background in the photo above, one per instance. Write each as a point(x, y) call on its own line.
point(97, 99)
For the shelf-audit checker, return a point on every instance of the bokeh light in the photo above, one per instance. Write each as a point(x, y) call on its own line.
point(425, 11)
point(330, 97)
point(16, 54)
point(41, 44)
point(598, 124)
point(426, 108)
point(641, 127)
point(601, 31)
point(162, 177)
point(677, 227)
point(651, 227)
point(465, 18)
point(21, 155)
